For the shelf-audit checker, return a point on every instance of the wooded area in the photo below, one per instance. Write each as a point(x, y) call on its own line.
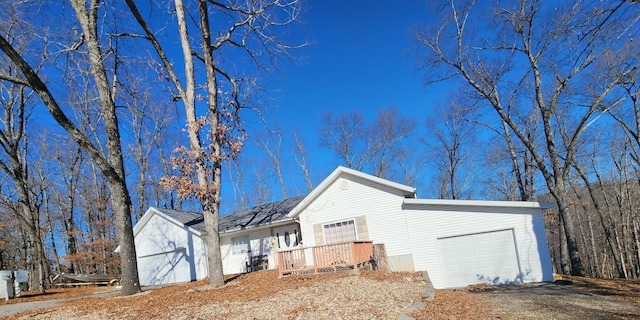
point(102, 118)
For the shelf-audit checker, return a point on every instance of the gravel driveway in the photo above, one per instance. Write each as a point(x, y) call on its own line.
point(14, 308)
point(562, 301)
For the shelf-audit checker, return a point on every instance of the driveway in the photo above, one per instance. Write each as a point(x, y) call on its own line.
point(562, 301)
point(14, 308)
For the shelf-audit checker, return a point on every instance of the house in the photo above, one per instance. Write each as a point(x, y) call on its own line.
point(459, 242)
point(170, 247)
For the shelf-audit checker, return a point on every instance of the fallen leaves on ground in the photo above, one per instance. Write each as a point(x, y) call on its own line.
point(262, 295)
point(258, 295)
point(624, 288)
point(56, 293)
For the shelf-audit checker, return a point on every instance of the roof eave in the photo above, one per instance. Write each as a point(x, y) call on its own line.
point(481, 203)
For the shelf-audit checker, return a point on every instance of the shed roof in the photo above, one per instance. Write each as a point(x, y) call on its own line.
point(262, 215)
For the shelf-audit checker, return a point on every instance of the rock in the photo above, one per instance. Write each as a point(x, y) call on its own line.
point(430, 293)
point(404, 316)
point(418, 305)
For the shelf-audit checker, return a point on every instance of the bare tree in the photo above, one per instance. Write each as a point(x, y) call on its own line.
point(69, 158)
point(272, 146)
point(214, 134)
point(110, 162)
point(523, 62)
point(300, 157)
point(263, 179)
point(363, 146)
point(10, 241)
point(15, 100)
point(147, 122)
point(451, 150)
point(511, 171)
point(237, 177)
point(629, 118)
point(343, 135)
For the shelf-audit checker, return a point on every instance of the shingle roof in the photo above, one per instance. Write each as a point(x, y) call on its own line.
point(244, 219)
point(192, 219)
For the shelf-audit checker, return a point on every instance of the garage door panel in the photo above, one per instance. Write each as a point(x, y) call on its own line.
point(475, 258)
point(162, 268)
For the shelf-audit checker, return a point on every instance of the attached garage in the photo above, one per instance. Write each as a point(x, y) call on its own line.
point(489, 257)
point(462, 242)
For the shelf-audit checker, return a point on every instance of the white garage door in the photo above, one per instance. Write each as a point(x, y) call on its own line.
point(479, 258)
point(163, 268)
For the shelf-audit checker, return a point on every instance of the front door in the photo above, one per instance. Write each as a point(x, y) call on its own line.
point(287, 237)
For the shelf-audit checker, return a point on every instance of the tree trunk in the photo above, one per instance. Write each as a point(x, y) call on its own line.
point(120, 198)
point(121, 206)
point(56, 258)
point(38, 264)
point(591, 243)
point(576, 267)
point(607, 224)
point(380, 262)
point(211, 202)
point(583, 239)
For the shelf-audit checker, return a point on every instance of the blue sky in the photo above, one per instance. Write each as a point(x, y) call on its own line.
point(361, 57)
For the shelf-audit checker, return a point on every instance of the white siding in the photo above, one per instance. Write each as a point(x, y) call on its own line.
point(260, 242)
point(429, 223)
point(351, 196)
point(160, 235)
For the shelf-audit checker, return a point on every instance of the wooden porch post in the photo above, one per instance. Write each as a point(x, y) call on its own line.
point(315, 262)
point(353, 256)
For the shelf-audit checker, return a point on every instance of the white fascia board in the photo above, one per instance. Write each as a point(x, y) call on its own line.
point(148, 215)
point(144, 219)
point(153, 211)
point(409, 191)
point(406, 189)
point(480, 203)
point(267, 225)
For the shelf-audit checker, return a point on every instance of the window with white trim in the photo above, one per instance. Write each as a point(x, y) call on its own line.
point(337, 232)
point(240, 245)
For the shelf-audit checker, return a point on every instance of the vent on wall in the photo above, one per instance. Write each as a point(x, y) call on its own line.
point(344, 185)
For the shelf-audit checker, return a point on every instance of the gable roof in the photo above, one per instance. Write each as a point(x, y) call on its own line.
point(409, 192)
point(259, 216)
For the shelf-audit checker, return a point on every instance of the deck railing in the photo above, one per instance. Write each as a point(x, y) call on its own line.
point(325, 258)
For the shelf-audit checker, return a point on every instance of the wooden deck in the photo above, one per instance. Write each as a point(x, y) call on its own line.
point(326, 258)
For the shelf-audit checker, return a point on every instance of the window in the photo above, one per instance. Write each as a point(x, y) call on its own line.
point(240, 245)
point(344, 231)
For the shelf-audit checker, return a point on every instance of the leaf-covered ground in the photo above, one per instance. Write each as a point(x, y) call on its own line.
point(56, 293)
point(261, 295)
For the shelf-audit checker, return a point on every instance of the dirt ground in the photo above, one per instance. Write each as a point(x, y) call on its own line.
point(261, 295)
